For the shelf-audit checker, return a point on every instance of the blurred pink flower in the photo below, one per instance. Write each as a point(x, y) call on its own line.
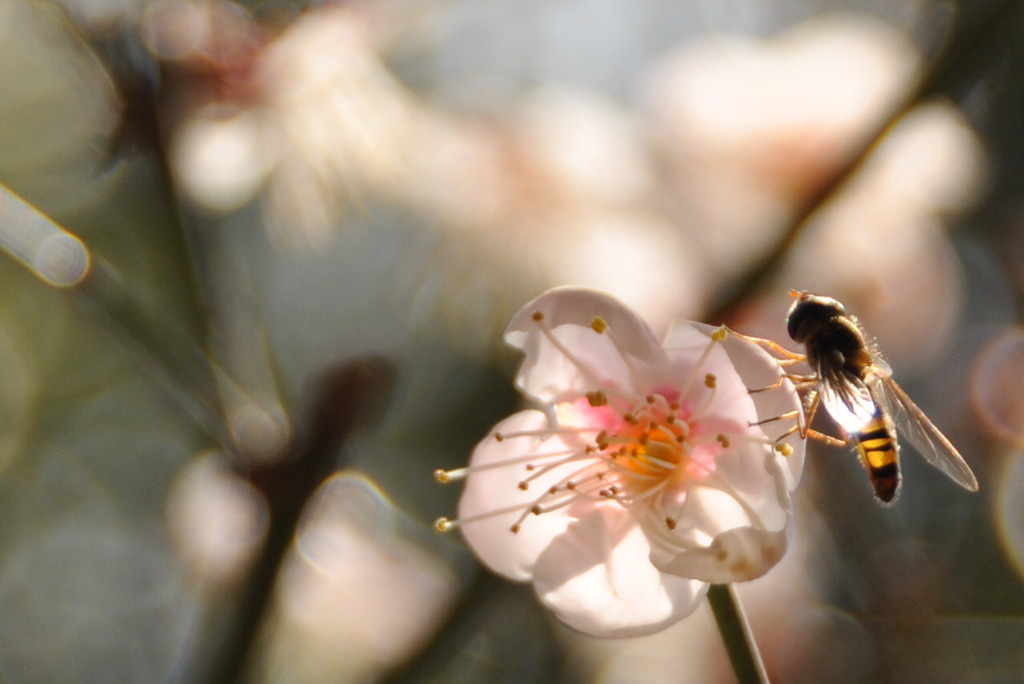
point(641, 480)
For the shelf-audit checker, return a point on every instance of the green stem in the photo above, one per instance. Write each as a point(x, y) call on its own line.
point(735, 631)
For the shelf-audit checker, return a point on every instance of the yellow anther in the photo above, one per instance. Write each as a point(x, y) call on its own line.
point(443, 524)
point(784, 449)
point(711, 380)
point(720, 334)
point(723, 440)
point(441, 476)
point(598, 324)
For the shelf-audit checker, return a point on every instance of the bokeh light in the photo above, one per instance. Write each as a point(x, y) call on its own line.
point(997, 395)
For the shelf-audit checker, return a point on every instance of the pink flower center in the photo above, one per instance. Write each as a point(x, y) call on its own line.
point(655, 448)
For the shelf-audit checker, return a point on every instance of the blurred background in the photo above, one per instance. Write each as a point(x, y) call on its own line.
point(273, 246)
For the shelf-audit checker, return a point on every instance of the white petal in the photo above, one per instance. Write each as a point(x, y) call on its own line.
point(626, 356)
point(751, 472)
point(597, 579)
point(737, 555)
point(491, 539)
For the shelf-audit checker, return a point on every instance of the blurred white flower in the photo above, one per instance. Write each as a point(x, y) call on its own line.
point(751, 127)
point(217, 520)
point(360, 595)
point(643, 478)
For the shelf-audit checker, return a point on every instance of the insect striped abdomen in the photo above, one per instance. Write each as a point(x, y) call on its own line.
point(876, 446)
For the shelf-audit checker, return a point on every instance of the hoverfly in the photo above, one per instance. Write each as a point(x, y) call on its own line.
point(856, 388)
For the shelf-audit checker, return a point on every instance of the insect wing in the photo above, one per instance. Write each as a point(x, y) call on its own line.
point(847, 400)
point(913, 424)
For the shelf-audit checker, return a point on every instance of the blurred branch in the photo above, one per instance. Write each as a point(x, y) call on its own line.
point(974, 38)
point(351, 396)
point(178, 363)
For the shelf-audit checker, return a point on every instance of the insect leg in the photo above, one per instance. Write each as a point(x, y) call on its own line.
point(803, 421)
point(812, 401)
point(799, 381)
point(789, 357)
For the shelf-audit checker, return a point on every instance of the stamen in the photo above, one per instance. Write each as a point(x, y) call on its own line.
point(597, 398)
point(445, 524)
point(655, 461)
point(446, 476)
point(684, 390)
point(557, 344)
point(699, 411)
point(543, 432)
point(601, 327)
point(670, 522)
point(736, 437)
point(784, 449)
point(528, 459)
point(647, 493)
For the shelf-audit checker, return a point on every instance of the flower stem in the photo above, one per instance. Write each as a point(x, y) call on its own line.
point(735, 631)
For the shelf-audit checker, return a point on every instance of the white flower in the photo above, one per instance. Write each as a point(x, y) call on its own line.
point(643, 478)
